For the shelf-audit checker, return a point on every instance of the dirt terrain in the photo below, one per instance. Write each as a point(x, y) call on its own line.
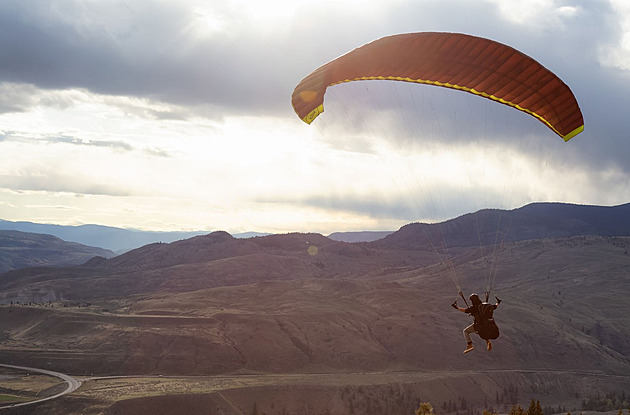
point(19, 386)
point(338, 393)
point(555, 315)
point(272, 325)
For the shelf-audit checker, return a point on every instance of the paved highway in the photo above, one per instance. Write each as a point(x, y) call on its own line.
point(73, 384)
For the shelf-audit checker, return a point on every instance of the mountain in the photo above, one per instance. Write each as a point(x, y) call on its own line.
point(21, 250)
point(121, 240)
point(213, 260)
point(219, 259)
point(305, 304)
point(115, 239)
point(534, 221)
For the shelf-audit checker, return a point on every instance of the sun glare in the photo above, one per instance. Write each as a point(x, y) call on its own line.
point(268, 14)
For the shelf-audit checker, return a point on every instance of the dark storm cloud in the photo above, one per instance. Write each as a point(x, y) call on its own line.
point(151, 51)
point(572, 45)
point(154, 49)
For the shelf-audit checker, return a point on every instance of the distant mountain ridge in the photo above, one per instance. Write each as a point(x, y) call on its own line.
point(533, 221)
point(272, 256)
point(553, 219)
point(22, 250)
point(485, 227)
point(121, 240)
point(115, 239)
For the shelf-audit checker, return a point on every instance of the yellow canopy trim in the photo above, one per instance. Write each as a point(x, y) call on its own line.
point(313, 114)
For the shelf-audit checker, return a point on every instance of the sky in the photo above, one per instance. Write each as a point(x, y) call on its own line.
point(176, 115)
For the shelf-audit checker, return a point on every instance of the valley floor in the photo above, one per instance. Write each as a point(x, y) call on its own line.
point(315, 393)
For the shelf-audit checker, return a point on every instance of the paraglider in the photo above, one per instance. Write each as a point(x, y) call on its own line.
point(453, 60)
point(471, 64)
point(483, 323)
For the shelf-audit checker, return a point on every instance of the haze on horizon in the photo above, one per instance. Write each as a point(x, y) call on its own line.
point(176, 115)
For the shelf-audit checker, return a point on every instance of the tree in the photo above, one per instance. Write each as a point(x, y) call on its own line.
point(517, 410)
point(425, 409)
point(534, 408)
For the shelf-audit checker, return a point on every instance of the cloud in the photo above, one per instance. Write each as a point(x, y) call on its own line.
point(146, 48)
point(573, 40)
point(214, 58)
point(168, 97)
point(116, 145)
point(17, 97)
point(56, 182)
point(53, 164)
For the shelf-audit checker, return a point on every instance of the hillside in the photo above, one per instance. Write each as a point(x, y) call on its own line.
point(118, 240)
point(562, 322)
point(22, 250)
point(564, 219)
point(533, 221)
point(208, 261)
point(305, 304)
point(106, 237)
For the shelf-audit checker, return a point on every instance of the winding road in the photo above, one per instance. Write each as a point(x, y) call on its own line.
point(73, 384)
point(221, 382)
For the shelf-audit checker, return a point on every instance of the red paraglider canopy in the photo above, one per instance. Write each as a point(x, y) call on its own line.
point(476, 65)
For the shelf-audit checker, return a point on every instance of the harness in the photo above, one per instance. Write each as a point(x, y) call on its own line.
point(484, 322)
